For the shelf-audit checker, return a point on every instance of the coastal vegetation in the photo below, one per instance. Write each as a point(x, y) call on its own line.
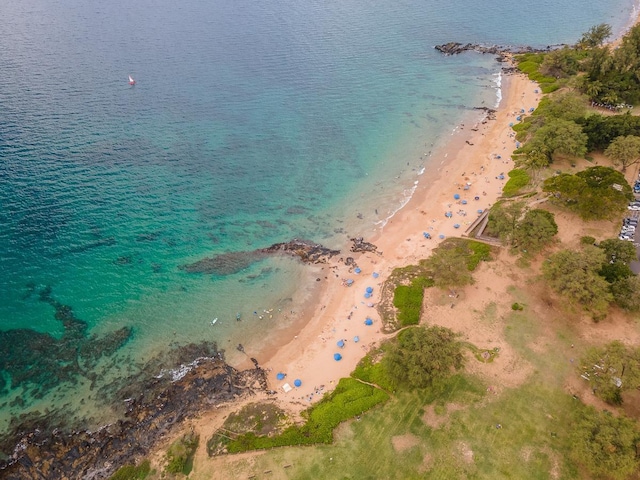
point(572, 412)
point(421, 357)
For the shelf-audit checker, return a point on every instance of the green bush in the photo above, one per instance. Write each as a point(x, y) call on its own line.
point(517, 307)
point(408, 300)
point(480, 252)
point(372, 371)
point(518, 179)
point(587, 240)
point(132, 472)
point(350, 398)
point(180, 454)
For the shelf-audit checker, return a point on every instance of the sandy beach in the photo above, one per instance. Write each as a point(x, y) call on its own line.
point(472, 164)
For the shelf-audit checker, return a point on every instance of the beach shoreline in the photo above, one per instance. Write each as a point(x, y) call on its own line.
point(472, 163)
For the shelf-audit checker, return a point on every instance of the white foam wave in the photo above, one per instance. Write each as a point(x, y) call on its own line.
point(498, 82)
point(178, 373)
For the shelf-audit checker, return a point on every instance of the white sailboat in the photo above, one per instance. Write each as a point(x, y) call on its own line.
point(131, 80)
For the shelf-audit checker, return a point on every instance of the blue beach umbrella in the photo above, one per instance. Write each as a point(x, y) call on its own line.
point(356, 339)
point(375, 274)
point(441, 236)
point(357, 270)
point(368, 321)
point(456, 196)
point(448, 214)
point(456, 225)
point(464, 202)
point(511, 124)
point(369, 290)
point(280, 376)
point(337, 357)
point(340, 343)
point(349, 282)
point(480, 210)
point(367, 295)
point(297, 382)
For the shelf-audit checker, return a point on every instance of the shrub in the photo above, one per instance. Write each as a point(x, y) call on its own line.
point(408, 300)
point(587, 240)
point(181, 452)
point(132, 472)
point(518, 179)
point(350, 398)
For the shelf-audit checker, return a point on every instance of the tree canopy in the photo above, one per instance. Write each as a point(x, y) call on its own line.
point(421, 356)
point(611, 370)
point(535, 231)
point(624, 151)
point(594, 193)
point(605, 444)
point(595, 36)
point(575, 276)
point(451, 264)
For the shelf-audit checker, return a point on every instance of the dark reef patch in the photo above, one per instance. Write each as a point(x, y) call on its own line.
point(38, 362)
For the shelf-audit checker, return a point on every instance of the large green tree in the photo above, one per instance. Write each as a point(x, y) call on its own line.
point(618, 250)
point(624, 151)
point(611, 370)
point(559, 137)
point(421, 356)
point(574, 274)
point(604, 444)
point(594, 193)
point(595, 36)
point(626, 293)
point(503, 220)
point(535, 231)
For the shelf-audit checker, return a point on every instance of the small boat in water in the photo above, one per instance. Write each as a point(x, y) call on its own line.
point(131, 80)
point(213, 322)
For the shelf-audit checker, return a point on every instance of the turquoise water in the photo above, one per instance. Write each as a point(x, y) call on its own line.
point(250, 124)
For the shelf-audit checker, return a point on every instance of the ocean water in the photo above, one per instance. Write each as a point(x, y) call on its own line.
point(251, 123)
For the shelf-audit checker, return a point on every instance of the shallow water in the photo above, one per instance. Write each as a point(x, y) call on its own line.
point(250, 124)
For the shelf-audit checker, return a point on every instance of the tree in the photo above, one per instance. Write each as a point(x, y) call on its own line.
point(566, 105)
point(595, 36)
point(535, 231)
point(626, 293)
point(611, 370)
point(560, 63)
point(605, 444)
point(575, 276)
point(624, 151)
point(448, 264)
point(559, 136)
point(618, 250)
point(421, 356)
point(503, 220)
point(594, 193)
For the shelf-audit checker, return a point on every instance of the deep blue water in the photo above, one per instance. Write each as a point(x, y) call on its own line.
point(251, 123)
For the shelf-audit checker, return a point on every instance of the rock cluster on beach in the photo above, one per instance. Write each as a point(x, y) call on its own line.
point(154, 405)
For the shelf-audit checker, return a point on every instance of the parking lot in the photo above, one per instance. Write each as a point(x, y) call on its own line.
point(629, 230)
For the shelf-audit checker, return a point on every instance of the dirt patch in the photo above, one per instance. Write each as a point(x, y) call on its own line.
point(404, 442)
point(466, 452)
point(434, 419)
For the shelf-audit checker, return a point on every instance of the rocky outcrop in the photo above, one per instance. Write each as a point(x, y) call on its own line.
point(306, 251)
point(154, 407)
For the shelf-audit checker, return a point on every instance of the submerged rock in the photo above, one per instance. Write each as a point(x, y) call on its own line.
point(233, 262)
